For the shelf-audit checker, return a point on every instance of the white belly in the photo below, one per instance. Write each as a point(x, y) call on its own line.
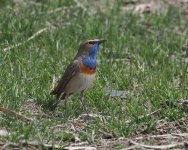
point(79, 83)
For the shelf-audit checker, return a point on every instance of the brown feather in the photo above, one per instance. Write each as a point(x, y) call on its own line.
point(70, 71)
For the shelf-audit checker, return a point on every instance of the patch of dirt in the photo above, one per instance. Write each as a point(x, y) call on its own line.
point(31, 108)
point(164, 126)
point(137, 6)
point(144, 6)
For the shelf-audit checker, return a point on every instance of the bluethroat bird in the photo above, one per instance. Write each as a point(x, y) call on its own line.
point(80, 73)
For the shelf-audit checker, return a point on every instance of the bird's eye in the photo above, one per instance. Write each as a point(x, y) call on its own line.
point(91, 42)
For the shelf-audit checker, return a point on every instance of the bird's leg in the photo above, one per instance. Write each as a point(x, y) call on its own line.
point(82, 101)
point(65, 104)
point(55, 104)
point(63, 97)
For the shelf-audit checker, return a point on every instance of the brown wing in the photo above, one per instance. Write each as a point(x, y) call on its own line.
point(70, 71)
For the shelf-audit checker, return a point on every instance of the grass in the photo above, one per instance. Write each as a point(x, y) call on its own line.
point(143, 55)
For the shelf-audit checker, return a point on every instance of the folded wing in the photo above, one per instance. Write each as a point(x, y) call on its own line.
point(70, 72)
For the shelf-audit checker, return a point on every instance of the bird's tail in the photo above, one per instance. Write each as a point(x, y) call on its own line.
point(53, 92)
point(58, 98)
point(57, 93)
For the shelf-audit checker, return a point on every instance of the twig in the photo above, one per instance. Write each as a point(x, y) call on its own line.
point(8, 111)
point(181, 134)
point(36, 144)
point(163, 136)
point(152, 113)
point(7, 145)
point(55, 10)
point(131, 147)
point(157, 146)
point(53, 82)
point(147, 115)
point(32, 144)
point(21, 43)
point(80, 148)
point(183, 102)
point(35, 3)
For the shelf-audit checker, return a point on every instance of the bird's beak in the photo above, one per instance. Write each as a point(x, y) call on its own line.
point(97, 41)
point(102, 41)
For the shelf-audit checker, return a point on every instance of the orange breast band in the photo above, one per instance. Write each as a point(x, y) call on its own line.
point(86, 70)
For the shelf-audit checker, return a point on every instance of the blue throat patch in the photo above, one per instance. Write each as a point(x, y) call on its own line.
point(90, 60)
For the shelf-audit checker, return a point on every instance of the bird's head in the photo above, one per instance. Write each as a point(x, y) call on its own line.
point(89, 47)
